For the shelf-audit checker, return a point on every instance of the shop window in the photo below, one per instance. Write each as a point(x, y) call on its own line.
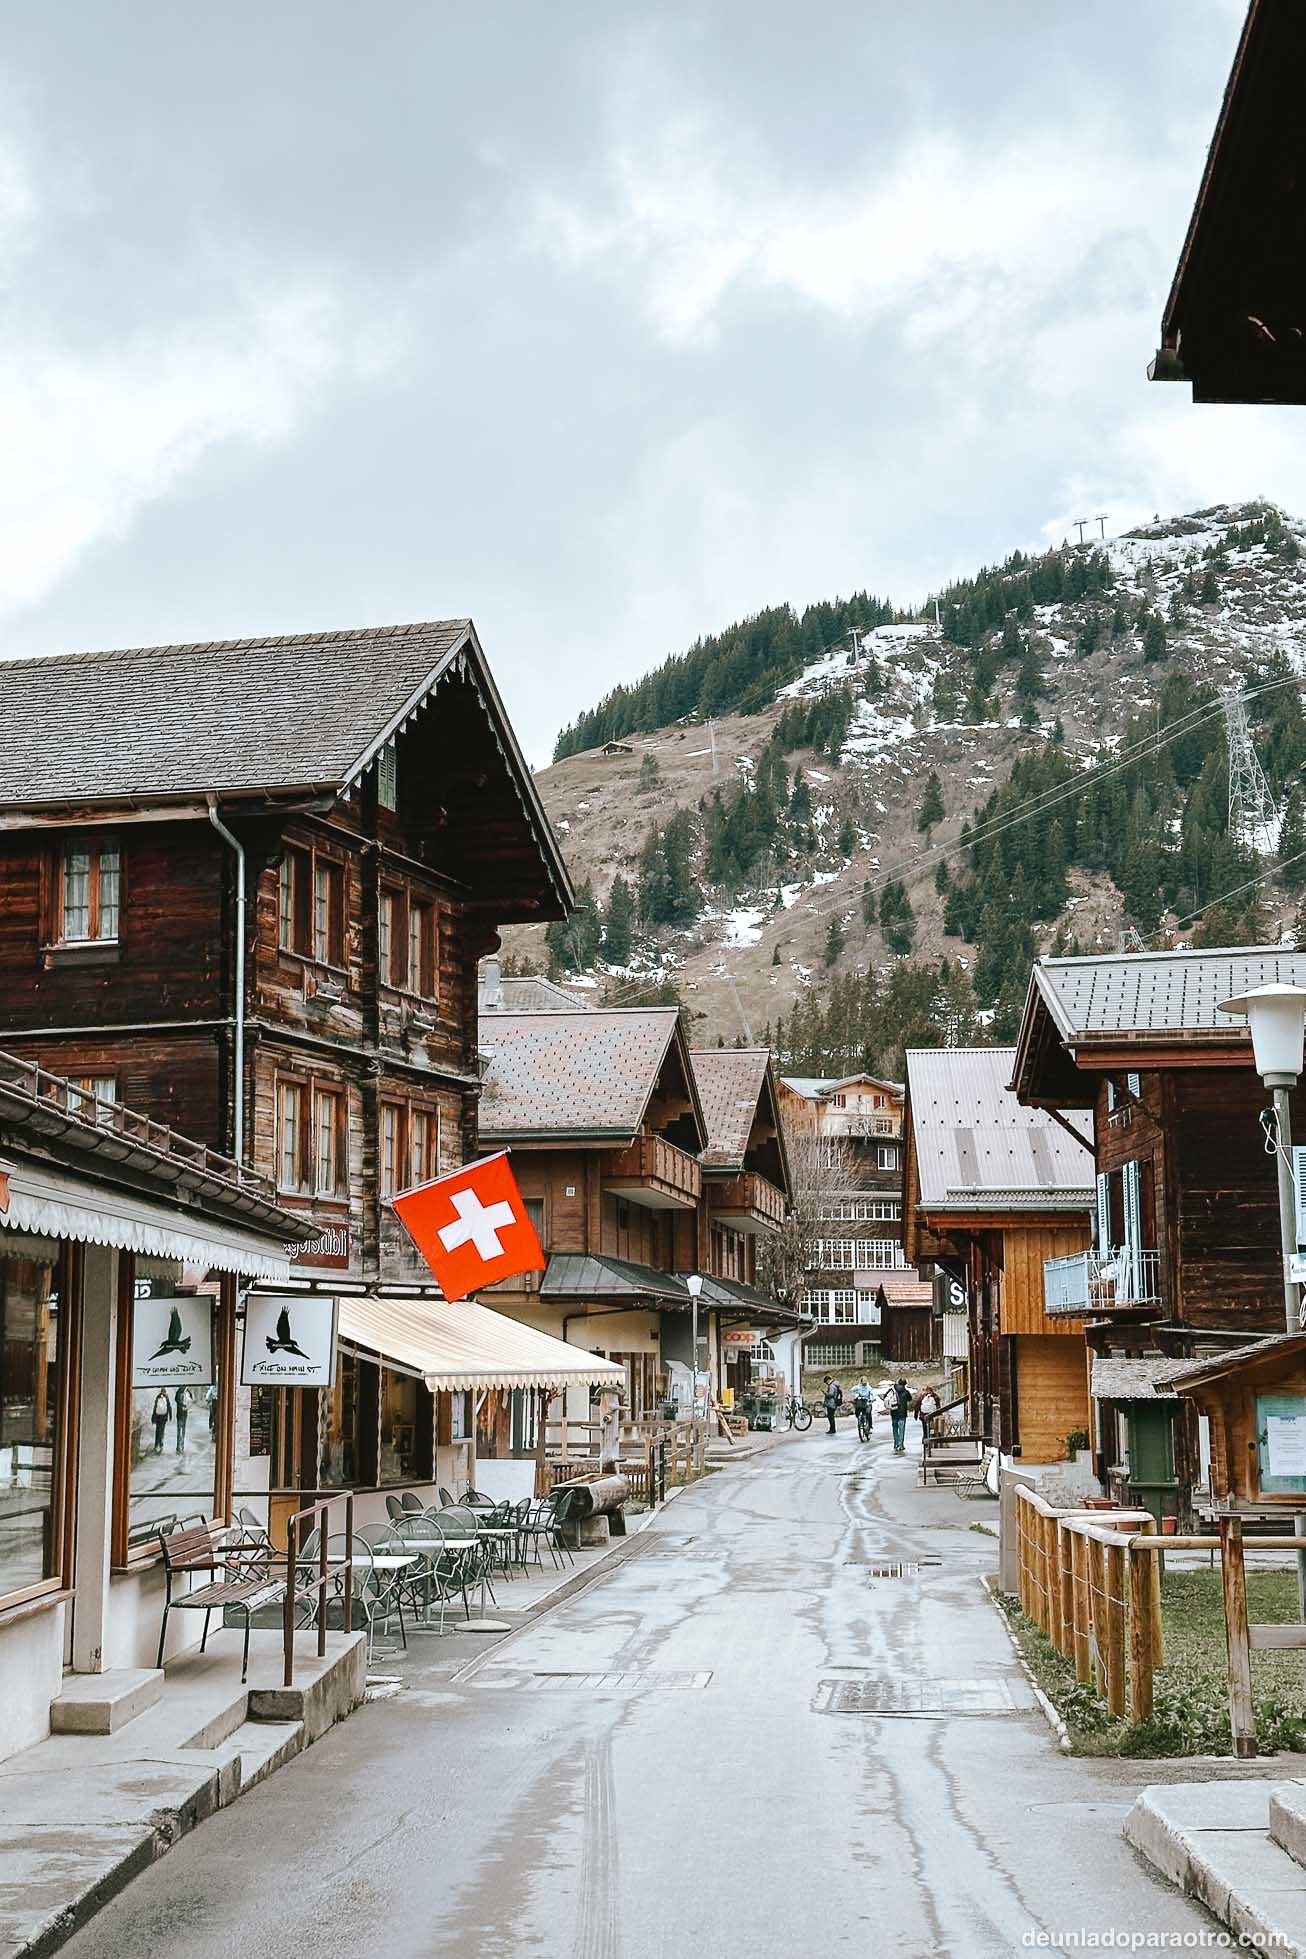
point(89, 890)
point(173, 1454)
point(33, 1339)
point(405, 1427)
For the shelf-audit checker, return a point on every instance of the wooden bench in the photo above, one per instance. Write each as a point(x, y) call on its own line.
point(245, 1584)
point(951, 1458)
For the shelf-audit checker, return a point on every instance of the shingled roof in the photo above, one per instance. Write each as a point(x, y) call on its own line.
point(582, 1076)
point(302, 711)
point(1138, 998)
point(730, 1084)
point(976, 1148)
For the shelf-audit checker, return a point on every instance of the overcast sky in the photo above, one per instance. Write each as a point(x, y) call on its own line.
point(603, 323)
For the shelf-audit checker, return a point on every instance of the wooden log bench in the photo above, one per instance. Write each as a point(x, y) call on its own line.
point(245, 1586)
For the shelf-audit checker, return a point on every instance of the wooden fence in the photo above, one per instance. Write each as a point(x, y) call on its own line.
point(1090, 1579)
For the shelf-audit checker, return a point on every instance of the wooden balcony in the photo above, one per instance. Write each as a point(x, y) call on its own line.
point(747, 1203)
point(654, 1173)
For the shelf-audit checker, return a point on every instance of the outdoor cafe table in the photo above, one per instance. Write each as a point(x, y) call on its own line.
point(435, 1547)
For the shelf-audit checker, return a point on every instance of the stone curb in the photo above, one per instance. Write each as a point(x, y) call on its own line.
point(1244, 1879)
point(1050, 1715)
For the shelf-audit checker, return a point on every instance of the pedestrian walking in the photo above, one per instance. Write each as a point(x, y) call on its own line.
point(927, 1408)
point(899, 1409)
point(832, 1399)
point(211, 1403)
point(160, 1415)
point(181, 1407)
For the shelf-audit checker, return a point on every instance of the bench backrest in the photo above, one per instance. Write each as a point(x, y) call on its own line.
point(188, 1547)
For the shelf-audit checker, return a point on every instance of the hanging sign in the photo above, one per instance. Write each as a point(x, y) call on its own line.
point(172, 1342)
point(290, 1341)
point(327, 1249)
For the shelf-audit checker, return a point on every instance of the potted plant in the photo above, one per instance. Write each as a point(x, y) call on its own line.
point(1077, 1447)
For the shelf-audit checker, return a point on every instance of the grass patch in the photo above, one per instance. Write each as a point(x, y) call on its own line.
point(1190, 1692)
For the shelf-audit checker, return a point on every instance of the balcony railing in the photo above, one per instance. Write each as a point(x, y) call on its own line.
point(655, 1173)
point(848, 1122)
point(749, 1202)
point(1099, 1282)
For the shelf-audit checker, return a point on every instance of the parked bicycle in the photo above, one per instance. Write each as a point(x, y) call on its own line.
point(797, 1414)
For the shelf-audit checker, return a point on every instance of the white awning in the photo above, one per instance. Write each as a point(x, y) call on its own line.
point(56, 1204)
point(464, 1345)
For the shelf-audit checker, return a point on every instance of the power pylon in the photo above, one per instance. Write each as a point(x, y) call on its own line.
point(1253, 812)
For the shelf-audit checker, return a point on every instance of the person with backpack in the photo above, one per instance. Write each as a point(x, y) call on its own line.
point(864, 1408)
point(181, 1408)
point(160, 1415)
point(832, 1399)
point(899, 1399)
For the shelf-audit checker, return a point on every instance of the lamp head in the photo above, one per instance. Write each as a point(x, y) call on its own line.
point(694, 1282)
point(1276, 1016)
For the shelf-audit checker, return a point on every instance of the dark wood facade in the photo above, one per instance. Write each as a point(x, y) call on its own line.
point(367, 905)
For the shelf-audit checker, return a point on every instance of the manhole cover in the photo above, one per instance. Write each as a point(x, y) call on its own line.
point(627, 1678)
point(907, 1696)
point(892, 1567)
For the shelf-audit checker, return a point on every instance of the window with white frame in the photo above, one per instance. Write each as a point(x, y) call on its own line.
point(886, 1156)
point(91, 1097)
point(832, 1354)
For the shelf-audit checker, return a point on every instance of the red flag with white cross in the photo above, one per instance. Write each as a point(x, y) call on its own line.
point(471, 1226)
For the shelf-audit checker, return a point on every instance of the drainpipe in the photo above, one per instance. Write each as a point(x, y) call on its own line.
point(238, 1126)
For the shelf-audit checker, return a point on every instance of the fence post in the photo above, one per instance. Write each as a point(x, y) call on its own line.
point(650, 1479)
point(1114, 1562)
point(349, 1563)
point(1079, 1586)
point(1066, 1589)
point(1242, 1718)
point(1141, 1634)
point(1096, 1607)
point(322, 1574)
point(288, 1616)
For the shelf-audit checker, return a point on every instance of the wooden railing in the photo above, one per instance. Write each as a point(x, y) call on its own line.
point(653, 1160)
point(1090, 1579)
point(749, 1194)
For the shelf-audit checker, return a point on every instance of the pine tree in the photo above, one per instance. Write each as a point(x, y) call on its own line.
point(1154, 642)
point(942, 877)
point(800, 802)
point(1292, 841)
point(897, 919)
point(870, 910)
point(1210, 590)
point(847, 838)
point(617, 923)
point(931, 809)
point(775, 956)
point(648, 772)
point(833, 942)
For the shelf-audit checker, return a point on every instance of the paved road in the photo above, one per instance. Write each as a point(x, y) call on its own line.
point(706, 1796)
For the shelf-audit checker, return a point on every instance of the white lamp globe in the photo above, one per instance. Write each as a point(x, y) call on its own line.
point(1276, 1016)
point(694, 1281)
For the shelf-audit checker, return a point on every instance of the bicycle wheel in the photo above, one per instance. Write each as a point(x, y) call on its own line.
point(802, 1417)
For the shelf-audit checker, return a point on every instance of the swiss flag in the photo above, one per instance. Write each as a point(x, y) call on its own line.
point(471, 1226)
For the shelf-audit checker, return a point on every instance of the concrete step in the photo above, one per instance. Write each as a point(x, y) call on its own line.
point(257, 1748)
point(101, 1703)
point(1212, 1840)
point(1288, 1818)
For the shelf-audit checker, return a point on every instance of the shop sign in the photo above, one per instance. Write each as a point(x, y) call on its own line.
point(290, 1341)
point(172, 1342)
point(741, 1336)
point(326, 1250)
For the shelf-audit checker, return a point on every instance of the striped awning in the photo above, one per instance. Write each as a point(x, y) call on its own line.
point(465, 1345)
point(55, 1204)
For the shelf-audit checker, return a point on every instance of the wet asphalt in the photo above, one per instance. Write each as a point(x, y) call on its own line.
point(679, 1758)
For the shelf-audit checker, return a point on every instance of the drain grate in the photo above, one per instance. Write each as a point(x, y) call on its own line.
point(908, 1696)
point(595, 1682)
point(893, 1567)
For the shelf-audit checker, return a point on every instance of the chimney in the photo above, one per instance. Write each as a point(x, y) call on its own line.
point(492, 990)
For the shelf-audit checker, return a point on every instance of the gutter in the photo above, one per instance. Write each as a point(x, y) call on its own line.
point(238, 1084)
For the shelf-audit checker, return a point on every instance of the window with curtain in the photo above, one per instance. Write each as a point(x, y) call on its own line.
point(90, 879)
point(291, 1136)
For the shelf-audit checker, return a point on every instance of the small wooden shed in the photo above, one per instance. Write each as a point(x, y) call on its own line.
point(1254, 1398)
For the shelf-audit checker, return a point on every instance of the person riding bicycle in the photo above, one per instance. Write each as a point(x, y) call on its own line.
point(864, 1408)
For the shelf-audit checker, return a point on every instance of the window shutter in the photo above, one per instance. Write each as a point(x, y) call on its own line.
point(1134, 1083)
point(1110, 1095)
point(1133, 1209)
point(1103, 1212)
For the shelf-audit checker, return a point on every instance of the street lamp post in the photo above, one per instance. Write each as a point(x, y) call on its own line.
point(1276, 1016)
point(695, 1285)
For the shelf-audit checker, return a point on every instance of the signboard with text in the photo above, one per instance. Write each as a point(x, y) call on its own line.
point(290, 1341)
point(172, 1342)
point(325, 1249)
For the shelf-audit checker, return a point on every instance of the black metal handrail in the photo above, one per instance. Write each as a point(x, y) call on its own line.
point(325, 1571)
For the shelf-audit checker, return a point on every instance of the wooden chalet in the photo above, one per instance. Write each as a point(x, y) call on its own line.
point(990, 1191)
point(641, 1164)
point(1185, 1259)
point(1235, 320)
point(244, 887)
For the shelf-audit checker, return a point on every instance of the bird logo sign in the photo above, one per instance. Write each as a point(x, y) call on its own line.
point(172, 1342)
point(289, 1340)
point(281, 1341)
point(471, 1226)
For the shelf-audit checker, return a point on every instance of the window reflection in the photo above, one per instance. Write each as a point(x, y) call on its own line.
point(30, 1331)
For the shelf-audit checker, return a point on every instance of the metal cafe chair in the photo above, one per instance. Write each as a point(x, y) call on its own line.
point(411, 1503)
point(394, 1508)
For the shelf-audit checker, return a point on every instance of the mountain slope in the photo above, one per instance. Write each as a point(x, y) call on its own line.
point(1044, 666)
